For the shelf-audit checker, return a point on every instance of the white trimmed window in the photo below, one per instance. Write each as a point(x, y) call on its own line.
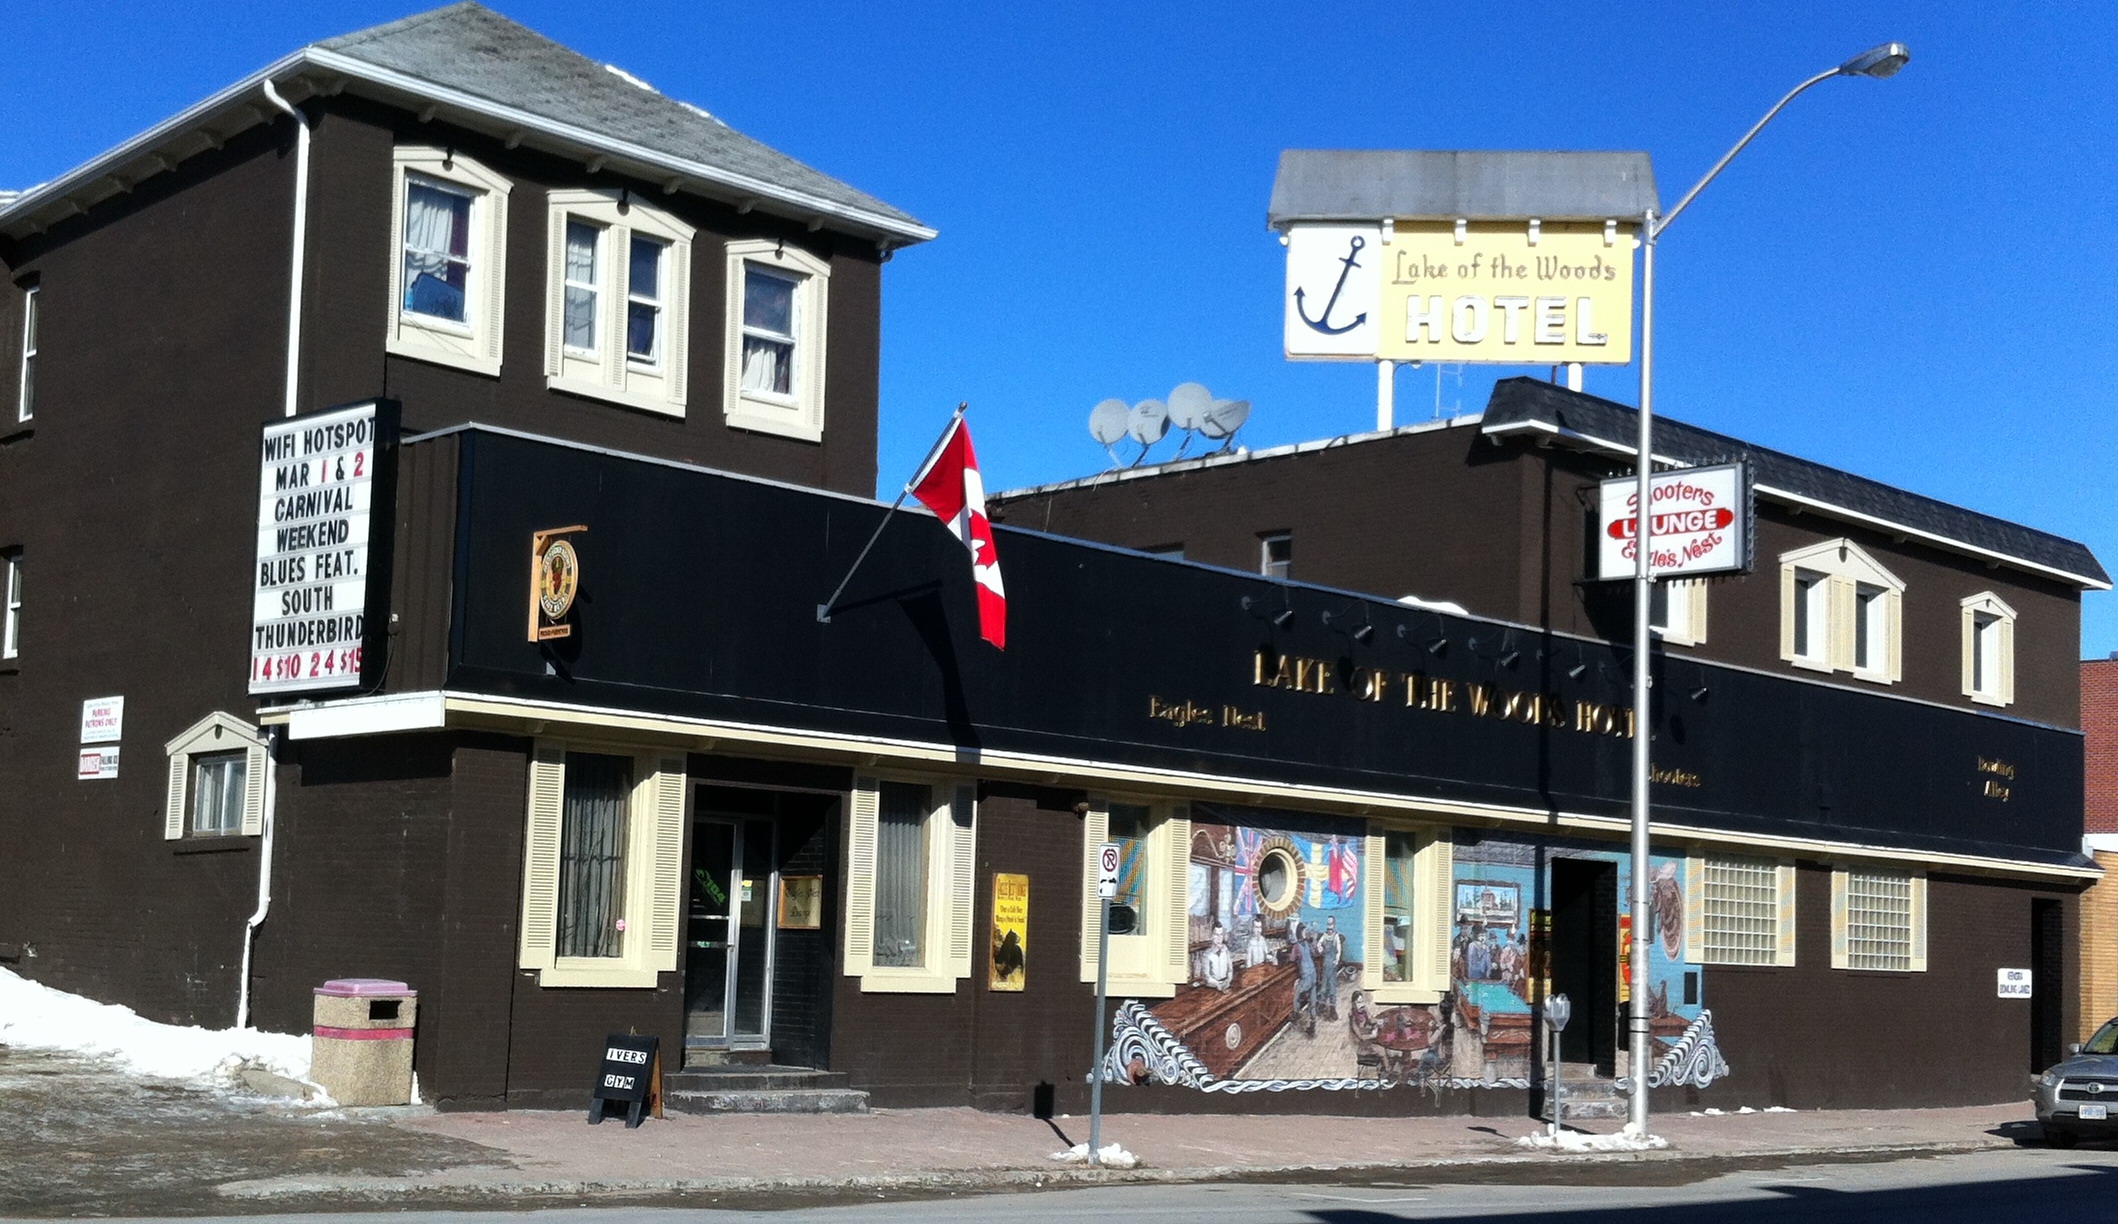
point(1739, 911)
point(11, 629)
point(617, 301)
point(1154, 878)
point(774, 380)
point(603, 865)
point(910, 873)
point(1879, 920)
point(1677, 611)
point(1841, 611)
point(1276, 554)
point(448, 252)
point(216, 782)
point(1408, 895)
point(1989, 650)
point(26, 382)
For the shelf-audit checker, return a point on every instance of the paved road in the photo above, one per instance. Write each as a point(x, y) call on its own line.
point(2078, 1187)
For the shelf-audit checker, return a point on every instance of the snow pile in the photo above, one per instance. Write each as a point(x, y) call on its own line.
point(36, 1017)
point(1631, 1139)
point(1110, 1156)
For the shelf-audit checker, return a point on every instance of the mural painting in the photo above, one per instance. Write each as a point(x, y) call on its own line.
point(1274, 1000)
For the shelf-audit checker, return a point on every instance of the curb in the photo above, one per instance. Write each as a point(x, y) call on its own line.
point(380, 1190)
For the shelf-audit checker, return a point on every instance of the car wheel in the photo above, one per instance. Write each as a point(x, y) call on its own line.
point(2054, 1137)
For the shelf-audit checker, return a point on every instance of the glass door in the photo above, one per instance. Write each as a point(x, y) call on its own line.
point(728, 960)
point(707, 956)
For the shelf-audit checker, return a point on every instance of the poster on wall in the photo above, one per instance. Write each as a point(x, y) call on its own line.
point(102, 720)
point(319, 553)
point(1011, 932)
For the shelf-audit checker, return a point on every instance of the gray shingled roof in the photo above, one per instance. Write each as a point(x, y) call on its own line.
point(470, 48)
point(1518, 402)
point(1371, 184)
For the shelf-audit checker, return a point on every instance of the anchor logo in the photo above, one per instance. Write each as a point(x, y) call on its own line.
point(1323, 323)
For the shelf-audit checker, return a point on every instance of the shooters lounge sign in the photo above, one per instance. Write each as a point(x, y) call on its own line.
point(1701, 525)
point(317, 485)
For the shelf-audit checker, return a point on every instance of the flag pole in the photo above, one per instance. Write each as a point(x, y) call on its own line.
point(823, 610)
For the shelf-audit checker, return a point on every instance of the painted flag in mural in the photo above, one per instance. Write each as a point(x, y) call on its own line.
point(1343, 865)
point(951, 487)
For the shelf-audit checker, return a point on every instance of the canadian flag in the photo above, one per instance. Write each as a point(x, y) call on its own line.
point(951, 487)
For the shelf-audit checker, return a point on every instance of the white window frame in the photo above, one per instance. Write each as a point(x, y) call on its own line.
point(1265, 561)
point(654, 869)
point(951, 901)
point(1997, 686)
point(216, 733)
point(25, 371)
point(800, 415)
point(1842, 568)
point(1696, 910)
point(11, 628)
point(1155, 964)
point(1433, 899)
point(607, 371)
point(474, 344)
point(1684, 611)
point(1844, 953)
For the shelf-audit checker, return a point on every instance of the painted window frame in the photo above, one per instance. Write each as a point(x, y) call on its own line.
point(1695, 909)
point(26, 368)
point(217, 733)
point(656, 820)
point(11, 604)
point(1266, 561)
point(1156, 964)
point(475, 344)
point(951, 894)
point(1683, 611)
point(608, 371)
point(1844, 954)
point(1433, 920)
point(1997, 689)
point(801, 414)
point(1842, 568)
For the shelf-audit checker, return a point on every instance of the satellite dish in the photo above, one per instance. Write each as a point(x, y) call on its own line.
point(1188, 405)
point(1149, 422)
point(1107, 421)
point(1224, 418)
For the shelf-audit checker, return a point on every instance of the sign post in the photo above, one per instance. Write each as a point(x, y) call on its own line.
point(1107, 859)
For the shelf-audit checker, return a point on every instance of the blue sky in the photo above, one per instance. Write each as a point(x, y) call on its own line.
point(1908, 279)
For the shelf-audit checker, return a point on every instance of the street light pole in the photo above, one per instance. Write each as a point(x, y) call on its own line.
point(1877, 62)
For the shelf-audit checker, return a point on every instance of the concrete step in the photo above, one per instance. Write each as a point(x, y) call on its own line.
point(752, 1077)
point(1590, 1100)
point(780, 1100)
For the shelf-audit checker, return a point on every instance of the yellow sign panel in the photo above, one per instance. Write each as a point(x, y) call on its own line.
point(1498, 297)
point(1011, 931)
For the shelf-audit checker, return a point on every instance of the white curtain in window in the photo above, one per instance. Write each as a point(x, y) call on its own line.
point(592, 854)
point(580, 285)
point(901, 874)
point(437, 240)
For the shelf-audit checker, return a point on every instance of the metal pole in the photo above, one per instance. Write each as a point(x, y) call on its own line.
point(1643, 595)
point(1095, 1083)
point(1558, 1079)
point(1385, 394)
point(823, 610)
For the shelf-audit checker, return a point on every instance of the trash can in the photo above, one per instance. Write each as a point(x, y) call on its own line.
point(361, 1052)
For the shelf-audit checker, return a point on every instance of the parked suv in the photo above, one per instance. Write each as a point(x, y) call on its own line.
point(2078, 1096)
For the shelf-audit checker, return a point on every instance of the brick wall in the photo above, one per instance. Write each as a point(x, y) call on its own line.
point(2099, 728)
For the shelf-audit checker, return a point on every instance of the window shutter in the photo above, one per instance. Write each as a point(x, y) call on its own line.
point(555, 295)
point(1838, 618)
point(676, 323)
point(1694, 909)
point(1841, 956)
point(255, 762)
point(611, 308)
point(1919, 922)
point(2004, 646)
point(1095, 829)
point(1695, 608)
point(540, 857)
point(1894, 635)
point(1176, 842)
point(860, 876)
point(963, 878)
point(495, 252)
point(396, 314)
point(1434, 892)
point(1784, 890)
point(1375, 877)
point(1787, 598)
point(667, 871)
point(173, 815)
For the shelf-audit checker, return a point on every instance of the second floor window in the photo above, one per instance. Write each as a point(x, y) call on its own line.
point(1841, 611)
point(26, 387)
point(448, 255)
point(1276, 555)
point(618, 301)
point(1988, 650)
point(774, 380)
point(11, 631)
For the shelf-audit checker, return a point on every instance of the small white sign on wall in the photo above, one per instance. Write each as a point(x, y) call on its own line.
point(98, 764)
point(2015, 983)
point(102, 720)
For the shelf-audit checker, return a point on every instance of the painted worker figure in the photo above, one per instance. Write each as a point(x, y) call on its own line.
point(1304, 953)
point(1258, 952)
point(1330, 950)
point(1219, 960)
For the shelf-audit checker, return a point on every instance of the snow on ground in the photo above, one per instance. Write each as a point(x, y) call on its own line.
point(1110, 1156)
point(1631, 1139)
point(36, 1017)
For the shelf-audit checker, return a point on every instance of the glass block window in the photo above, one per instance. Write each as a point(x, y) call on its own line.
point(1878, 920)
point(1740, 912)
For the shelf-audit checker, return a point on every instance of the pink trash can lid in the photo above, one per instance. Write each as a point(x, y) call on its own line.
point(360, 988)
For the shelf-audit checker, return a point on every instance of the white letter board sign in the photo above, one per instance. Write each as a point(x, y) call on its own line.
point(320, 477)
point(1702, 523)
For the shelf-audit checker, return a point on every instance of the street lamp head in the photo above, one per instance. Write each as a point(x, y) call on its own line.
point(1878, 62)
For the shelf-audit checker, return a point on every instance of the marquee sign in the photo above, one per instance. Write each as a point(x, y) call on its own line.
point(1701, 524)
point(1489, 292)
point(317, 487)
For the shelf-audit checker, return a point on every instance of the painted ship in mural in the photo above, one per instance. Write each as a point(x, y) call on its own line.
point(1307, 969)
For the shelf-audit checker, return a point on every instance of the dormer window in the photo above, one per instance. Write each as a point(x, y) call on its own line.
point(774, 374)
point(447, 269)
point(1988, 650)
point(618, 305)
point(1841, 611)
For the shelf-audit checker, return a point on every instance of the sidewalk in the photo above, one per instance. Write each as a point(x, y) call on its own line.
point(558, 1155)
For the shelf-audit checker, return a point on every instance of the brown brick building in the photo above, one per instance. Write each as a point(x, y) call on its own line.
point(2099, 905)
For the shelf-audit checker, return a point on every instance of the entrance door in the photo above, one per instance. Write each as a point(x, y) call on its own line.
point(2048, 984)
point(728, 965)
point(1585, 959)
